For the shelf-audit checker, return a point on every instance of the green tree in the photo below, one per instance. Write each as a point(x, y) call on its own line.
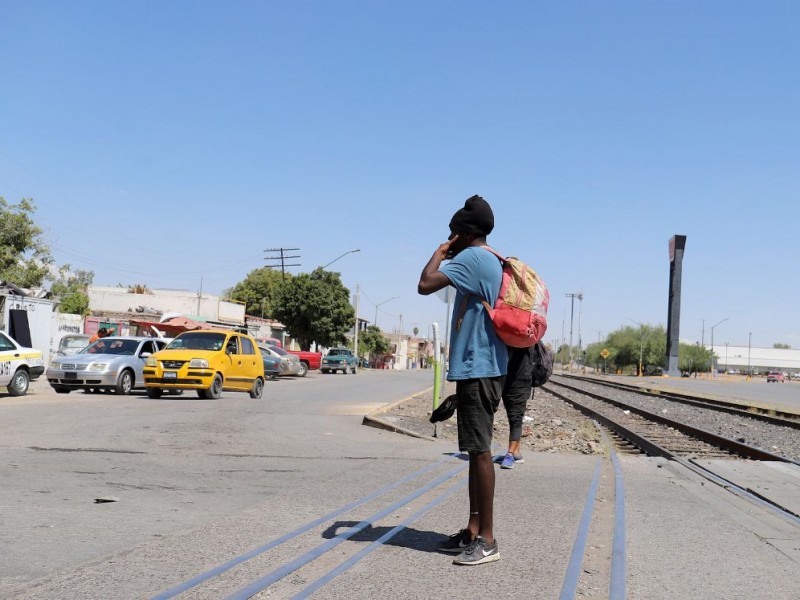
point(628, 345)
point(372, 341)
point(781, 346)
point(259, 291)
point(25, 259)
point(315, 307)
point(70, 290)
point(693, 358)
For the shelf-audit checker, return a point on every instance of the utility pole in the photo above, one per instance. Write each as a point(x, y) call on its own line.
point(578, 295)
point(279, 257)
point(355, 331)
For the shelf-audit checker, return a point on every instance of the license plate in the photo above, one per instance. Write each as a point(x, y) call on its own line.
point(69, 375)
point(170, 375)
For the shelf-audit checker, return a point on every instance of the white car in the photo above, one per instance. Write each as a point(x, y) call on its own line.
point(109, 364)
point(72, 343)
point(18, 366)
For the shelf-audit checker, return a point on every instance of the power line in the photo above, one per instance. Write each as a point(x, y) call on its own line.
point(280, 257)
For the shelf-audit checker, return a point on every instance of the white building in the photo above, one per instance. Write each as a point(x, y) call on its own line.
point(757, 359)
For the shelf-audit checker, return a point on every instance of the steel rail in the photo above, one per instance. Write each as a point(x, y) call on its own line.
point(704, 435)
point(752, 412)
point(653, 449)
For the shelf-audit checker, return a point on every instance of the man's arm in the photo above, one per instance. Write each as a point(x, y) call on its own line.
point(433, 280)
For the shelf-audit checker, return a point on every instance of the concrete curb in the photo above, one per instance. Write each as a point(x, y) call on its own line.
point(373, 419)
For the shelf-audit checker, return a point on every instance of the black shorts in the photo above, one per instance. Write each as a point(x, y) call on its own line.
point(478, 400)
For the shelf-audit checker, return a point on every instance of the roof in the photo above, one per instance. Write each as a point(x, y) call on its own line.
point(176, 325)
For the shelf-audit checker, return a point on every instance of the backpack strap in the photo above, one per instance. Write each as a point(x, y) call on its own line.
point(489, 308)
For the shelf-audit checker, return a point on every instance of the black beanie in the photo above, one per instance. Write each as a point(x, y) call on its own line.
point(476, 217)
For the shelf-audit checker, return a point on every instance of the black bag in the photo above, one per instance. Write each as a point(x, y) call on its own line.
point(542, 364)
point(445, 410)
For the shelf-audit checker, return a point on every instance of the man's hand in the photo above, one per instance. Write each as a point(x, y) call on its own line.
point(432, 279)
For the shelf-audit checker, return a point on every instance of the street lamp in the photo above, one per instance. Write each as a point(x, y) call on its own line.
point(375, 322)
point(641, 345)
point(713, 366)
point(338, 257)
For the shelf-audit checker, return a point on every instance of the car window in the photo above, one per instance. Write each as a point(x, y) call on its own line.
point(279, 351)
point(147, 347)
point(6, 344)
point(337, 352)
point(122, 347)
point(73, 343)
point(232, 347)
point(160, 344)
point(198, 341)
point(247, 346)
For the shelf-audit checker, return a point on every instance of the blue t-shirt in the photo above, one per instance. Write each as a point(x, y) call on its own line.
point(475, 350)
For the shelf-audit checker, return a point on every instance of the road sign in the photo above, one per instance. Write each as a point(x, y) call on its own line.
point(604, 353)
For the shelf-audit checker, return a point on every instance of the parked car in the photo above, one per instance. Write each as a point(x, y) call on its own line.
point(208, 361)
point(113, 363)
point(290, 363)
point(775, 377)
point(309, 361)
point(339, 359)
point(71, 344)
point(272, 364)
point(18, 366)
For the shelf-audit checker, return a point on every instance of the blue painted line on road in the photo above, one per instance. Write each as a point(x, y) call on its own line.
point(617, 588)
point(333, 573)
point(195, 581)
point(570, 586)
point(252, 589)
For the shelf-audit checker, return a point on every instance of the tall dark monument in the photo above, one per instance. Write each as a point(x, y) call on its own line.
point(676, 245)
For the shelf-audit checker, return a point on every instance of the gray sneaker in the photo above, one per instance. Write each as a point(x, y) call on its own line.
point(477, 553)
point(457, 542)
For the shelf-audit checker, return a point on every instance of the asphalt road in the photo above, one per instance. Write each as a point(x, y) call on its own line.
point(181, 464)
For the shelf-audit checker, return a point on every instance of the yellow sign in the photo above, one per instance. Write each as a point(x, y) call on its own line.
point(604, 353)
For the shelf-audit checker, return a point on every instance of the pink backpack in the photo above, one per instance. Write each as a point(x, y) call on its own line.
point(519, 313)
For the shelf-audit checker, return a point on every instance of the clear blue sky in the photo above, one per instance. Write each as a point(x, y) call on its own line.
point(169, 142)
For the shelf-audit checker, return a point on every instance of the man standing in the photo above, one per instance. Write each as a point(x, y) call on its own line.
point(478, 361)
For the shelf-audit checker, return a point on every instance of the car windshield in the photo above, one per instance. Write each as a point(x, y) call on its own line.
point(279, 351)
point(198, 341)
point(337, 353)
point(73, 343)
point(112, 346)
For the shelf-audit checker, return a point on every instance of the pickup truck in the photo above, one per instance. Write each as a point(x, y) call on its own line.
point(339, 359)
point(308, 361)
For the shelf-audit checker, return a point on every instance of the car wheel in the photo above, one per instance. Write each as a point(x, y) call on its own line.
point(202, 395)
point(154, 393)
point(324, 371)
point(215, 389)
point(61, 389)
point(303, 370)
point(18, 386)
point(124, 383)
point(355, 370)
point(258, 388)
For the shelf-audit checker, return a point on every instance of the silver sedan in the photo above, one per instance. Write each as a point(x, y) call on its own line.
point(290, 363)
point(110, 364)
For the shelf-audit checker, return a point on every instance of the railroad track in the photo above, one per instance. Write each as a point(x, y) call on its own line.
point(767, 415)
point(656, 434)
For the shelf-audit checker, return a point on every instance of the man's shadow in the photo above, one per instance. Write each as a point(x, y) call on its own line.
point(408, 537)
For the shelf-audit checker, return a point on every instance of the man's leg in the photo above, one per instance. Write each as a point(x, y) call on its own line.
point(482, 487)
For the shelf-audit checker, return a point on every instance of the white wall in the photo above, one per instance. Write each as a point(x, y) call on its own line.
point(118, 300)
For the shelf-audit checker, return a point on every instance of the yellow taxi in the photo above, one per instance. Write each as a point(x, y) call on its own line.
point(18, 366)
point(209, 361)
